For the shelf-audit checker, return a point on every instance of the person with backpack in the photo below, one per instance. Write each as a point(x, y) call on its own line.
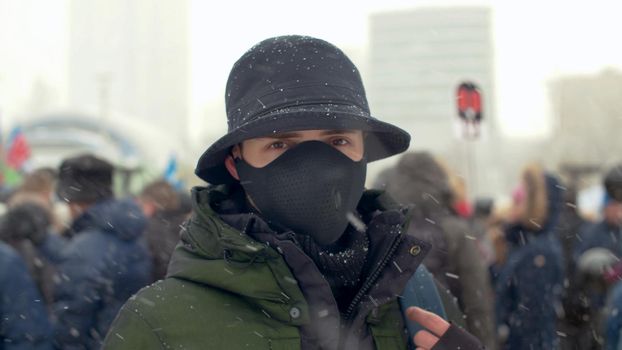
point(286, 249)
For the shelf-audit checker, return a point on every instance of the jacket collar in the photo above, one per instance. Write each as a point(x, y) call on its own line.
point(216, 250)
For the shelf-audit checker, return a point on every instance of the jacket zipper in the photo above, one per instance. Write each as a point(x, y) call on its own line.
point(373, 277)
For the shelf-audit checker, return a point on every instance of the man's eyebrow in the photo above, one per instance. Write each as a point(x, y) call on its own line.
point(292, 135)
point(338, 132)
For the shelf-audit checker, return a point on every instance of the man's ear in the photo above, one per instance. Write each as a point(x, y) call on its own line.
point(230, 165)
point(230, 162)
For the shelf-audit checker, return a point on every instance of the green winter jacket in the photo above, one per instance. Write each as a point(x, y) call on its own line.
point(227, 290)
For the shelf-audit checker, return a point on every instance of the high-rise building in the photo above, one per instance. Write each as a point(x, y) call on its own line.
point(131, 58)
point(417, 60)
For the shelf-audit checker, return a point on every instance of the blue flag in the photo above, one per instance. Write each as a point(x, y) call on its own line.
point(170, 173)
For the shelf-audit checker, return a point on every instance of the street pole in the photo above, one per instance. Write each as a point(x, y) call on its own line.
point(469, 103)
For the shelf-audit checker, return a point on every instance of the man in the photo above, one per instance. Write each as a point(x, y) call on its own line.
point(162, 204)
point(287, 250)
point(105, 262)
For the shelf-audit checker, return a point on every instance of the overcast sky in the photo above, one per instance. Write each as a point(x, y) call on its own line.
point(534, 41)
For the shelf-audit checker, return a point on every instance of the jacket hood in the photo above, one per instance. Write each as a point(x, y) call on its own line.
point(122, 218)
point(554, 203)
point(418, 179)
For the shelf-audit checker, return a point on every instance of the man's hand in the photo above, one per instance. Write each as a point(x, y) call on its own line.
point(437, 326)
point(440, 334)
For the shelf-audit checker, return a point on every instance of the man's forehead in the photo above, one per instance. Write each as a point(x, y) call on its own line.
point(307, 133)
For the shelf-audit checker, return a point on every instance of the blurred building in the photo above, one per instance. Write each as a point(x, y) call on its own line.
point(137, 159)
point(417, 59)
point(131, 57)
point(588, 115)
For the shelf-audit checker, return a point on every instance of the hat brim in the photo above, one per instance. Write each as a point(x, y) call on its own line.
point(383, 139)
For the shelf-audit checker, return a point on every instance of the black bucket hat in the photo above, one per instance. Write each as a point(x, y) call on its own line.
point(293, 83)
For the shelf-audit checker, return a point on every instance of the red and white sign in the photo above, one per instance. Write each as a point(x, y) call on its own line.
point(469, 103)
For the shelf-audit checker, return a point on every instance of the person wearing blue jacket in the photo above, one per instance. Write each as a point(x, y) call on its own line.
point(24, 323)
point(105, 262)
point(26, 228)
point(604, 302)
point(529, 284)
point(608, 232)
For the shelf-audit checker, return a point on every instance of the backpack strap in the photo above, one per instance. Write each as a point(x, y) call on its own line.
point(421, 291)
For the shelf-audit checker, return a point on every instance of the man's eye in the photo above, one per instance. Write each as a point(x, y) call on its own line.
point(278, 145)
point(340, 142)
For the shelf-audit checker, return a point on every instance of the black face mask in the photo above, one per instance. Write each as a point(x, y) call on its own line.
point(311, 189)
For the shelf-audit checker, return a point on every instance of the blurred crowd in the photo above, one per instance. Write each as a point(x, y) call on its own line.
point(71, 253)
point(531, 274)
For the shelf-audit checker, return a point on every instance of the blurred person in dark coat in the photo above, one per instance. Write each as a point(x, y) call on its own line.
point(24, 322)
point(571, 223)
point(575, 321)
point(613, 311)
point(481, 223)
point(25, 227)
point(529, 283)
point(586, 304)
point(608, 232)
point(454, 260)
point(106, 260)
point(38, 189)
point(167, 210)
